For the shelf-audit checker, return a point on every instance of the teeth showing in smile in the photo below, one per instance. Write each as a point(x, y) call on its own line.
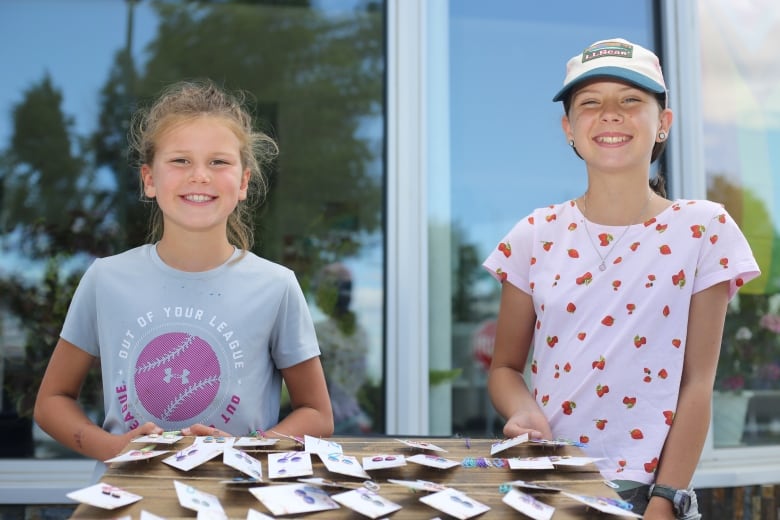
point(612, 139)
point(198, 198)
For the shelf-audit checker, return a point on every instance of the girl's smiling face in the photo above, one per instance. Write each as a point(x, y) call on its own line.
point(196, 175)
point(615, 125)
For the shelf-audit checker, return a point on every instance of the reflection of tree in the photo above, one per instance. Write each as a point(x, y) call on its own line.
point(315, 79)
point(754, 218)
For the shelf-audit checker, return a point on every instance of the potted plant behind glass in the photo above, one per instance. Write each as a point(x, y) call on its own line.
point(749, 360)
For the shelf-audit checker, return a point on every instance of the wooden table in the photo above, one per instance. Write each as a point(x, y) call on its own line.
point(153, 480)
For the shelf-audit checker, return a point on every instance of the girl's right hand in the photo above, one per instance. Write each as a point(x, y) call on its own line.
point(532, 423)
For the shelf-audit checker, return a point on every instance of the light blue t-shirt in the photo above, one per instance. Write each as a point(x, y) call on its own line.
point(179, 348)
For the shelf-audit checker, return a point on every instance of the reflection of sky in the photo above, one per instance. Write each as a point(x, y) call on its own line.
point(75, 43)
point(507, 60)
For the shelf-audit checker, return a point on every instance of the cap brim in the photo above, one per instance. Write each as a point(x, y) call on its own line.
point(618, 73)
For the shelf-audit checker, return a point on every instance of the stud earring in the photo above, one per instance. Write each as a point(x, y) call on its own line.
point(662, 135)
point(571, 143)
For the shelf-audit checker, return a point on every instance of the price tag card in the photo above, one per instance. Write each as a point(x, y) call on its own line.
point(164, 438)
point(420, 445)
point(568, 460)
point(530, 463)
point(289, 499)
point(343, 464)
point(366, 502)
point(253, 514)
point(289, 464)
point(605, 505)
point(528, 505)
point(104, 496)
point(197, 500)
point(319, 446)
point(243, 462)
point(383, 461)
point(433, 461)
point(254, 441)
point(132, 455)
point(508, 443)
point(191, 457)
point(455, 503)
point(419, 485)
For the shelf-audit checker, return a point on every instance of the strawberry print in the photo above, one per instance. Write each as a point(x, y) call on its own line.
point(601, 390)
point(601, 423)
point(630, 402)
point(665, 311)
point(722, 218)
point(676, 342)
point(616, 285)
point(663, 374)
point(570, 307)
point(568, 407)
point(648, 375)
point(650, 280)
point(547, 245)
point(501, 275)
point(550, 218)
point(650, 222)
point(724, 262)
point(697, 231)
point(634, 246)
point(581, 336)
point(552, 341)
point(639, 341)
point(567, 367)
point(505, 248)
point(679, 279)
point(661, 227)
point(637, 434)
point(572, 226)
point(605, 239)
point(585, 279)
point(713, 239)
point(665, 249)
point(599, 364)
point(573, 253)
point(621, 465)
point(608, 321)
point(651, 466)
point(669, 417)
point(545, 399)
point(534, 367)
point(631, 307)
point(584, 439)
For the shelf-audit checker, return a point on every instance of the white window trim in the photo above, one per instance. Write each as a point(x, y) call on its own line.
point(682, 64)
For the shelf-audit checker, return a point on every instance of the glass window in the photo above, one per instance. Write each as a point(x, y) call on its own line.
point(498, 153)
point(314, 71)
point(741, 109)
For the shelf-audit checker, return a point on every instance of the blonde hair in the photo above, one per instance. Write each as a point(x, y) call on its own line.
point(187, 100)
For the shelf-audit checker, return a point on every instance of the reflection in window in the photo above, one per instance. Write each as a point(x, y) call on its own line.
point(741, 89)
point(313, 71)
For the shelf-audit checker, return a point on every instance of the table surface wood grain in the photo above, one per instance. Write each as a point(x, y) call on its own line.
point(153, 480)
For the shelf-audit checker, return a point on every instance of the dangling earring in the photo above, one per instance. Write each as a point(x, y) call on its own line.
point(662, 135)
point(571, 143)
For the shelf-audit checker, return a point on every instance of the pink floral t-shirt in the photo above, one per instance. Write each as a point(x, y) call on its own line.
point(609, 344)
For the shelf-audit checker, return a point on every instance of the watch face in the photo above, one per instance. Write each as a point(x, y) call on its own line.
point(684, 503)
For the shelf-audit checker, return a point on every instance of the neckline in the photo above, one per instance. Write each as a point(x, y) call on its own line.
point(581, 215)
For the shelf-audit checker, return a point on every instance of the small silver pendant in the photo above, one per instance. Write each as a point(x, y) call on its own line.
point(602, 266)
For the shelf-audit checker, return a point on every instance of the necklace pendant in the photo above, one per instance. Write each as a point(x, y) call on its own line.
point(602, 266)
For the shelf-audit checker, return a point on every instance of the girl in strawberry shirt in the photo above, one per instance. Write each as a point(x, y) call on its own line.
point(618, 296)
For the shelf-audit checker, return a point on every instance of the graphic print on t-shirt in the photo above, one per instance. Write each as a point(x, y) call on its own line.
point(177, 376)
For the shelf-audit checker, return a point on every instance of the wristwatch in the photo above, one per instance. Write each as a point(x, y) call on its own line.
point(680, 498)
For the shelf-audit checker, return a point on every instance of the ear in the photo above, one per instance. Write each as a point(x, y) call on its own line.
point(665, 121)
point(242, 190)
point(566, 125)
point(148, 181)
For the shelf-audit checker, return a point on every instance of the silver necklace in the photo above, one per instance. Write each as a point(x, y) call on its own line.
point(603, 264)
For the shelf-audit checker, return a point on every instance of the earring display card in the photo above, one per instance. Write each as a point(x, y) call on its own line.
point(197, 500)
point(243, 462)
point(254, 442)
point(508, 443)
point(253, 514)
point(317, 445)
point(343, 464)
point(383, 461)
point(419, 485)
point(455, 503)
point(192, 457)
point(530, 463)
point(289, 499)
point(528, 505)
point(366, 502)
point(289, 464)
point(605, 505)
point(420, 445)
point(104, 496)
point(433, 461)
point(165, 438)
point(132, 455)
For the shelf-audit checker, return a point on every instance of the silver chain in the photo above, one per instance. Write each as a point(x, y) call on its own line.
point(603, 264)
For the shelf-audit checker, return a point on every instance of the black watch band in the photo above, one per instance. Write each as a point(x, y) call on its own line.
point(680, 498)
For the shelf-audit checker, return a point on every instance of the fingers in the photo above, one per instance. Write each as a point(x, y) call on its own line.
point(200, 430)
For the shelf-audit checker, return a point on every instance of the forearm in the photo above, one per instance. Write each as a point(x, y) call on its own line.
point(509, 392)
point(686, 438)
point(306, 420)
point(63, 419)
